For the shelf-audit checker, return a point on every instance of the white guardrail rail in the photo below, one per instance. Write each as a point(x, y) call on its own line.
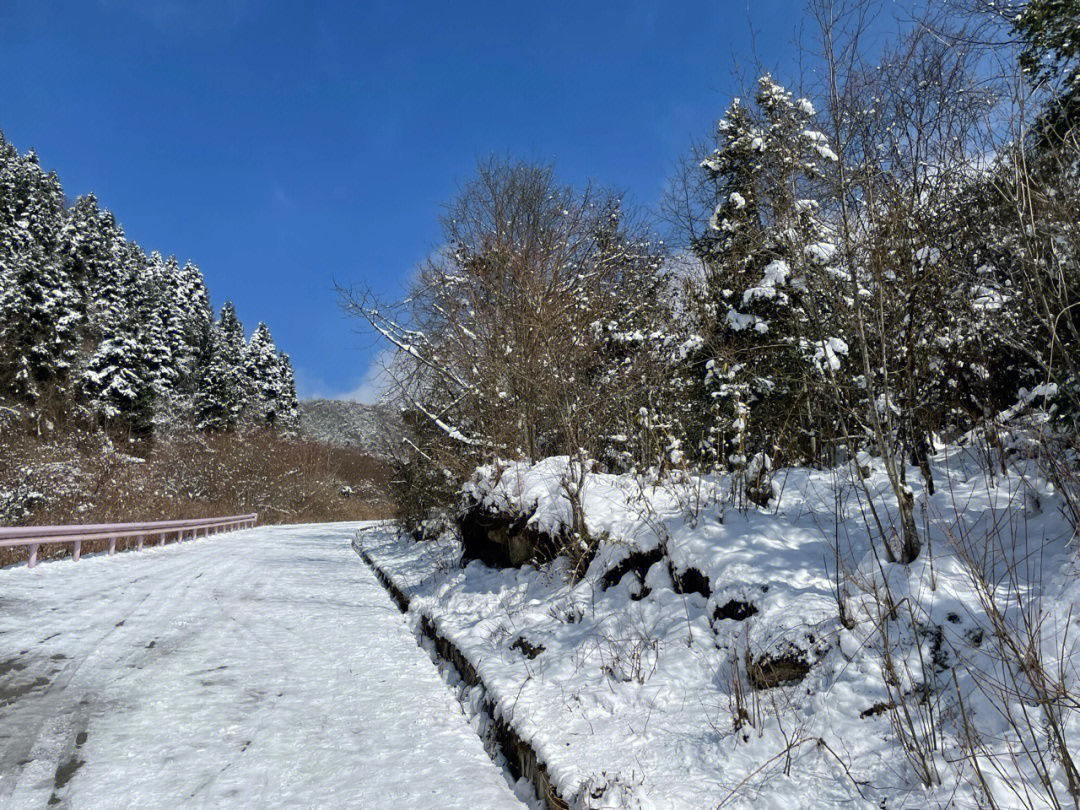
point(37, 536)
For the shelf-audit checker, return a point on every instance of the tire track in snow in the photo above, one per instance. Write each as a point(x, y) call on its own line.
point(46, 722)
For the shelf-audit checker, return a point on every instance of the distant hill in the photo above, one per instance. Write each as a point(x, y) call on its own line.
point(349, 424)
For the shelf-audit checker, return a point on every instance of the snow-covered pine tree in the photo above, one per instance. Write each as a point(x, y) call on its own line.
point(265, 379)
point(152, 293)
point(118, 383)
point(32, 210)
point(39, 322)
point(131, 372)
point(1050, 32)
point(153, 336)
point(763, 309)
point(189, 320)
point(39, 310)
point(221, 391)
point(96, 255)
point(289, 411)
point(628, 330)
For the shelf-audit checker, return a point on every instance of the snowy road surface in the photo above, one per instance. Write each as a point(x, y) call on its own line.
point(261, 669)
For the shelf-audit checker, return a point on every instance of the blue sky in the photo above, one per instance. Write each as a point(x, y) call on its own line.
point(283, 145)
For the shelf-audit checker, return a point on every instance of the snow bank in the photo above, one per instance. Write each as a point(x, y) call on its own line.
point(703, 660)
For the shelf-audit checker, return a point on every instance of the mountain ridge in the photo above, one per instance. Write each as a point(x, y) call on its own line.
point(343, 423)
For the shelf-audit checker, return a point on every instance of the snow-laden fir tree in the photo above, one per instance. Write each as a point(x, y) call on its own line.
point(39, 324)
point(31, 203)
point(268, 397)
point(97, 260)
point(1050, 33)
point(158, 351)
point(132, 377)
point(131, 373)
point(40, 314)
point(637, 350)
point(189, 318)
point(118, 383)
point(222, 389)
point(763, 309)
point(288, 419)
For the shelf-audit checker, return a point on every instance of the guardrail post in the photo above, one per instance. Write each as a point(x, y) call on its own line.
point(112, 546)
point(139, 542)
point(32, 560)
point(161, 539)
point(77, 552)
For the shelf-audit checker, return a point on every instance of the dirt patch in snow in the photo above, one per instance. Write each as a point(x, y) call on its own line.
point(503, 540)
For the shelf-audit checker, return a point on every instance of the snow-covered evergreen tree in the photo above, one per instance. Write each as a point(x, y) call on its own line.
point(761, 309)
point(153, 337)
point(189, 319)
point(97, 255)
point(39, 310)
point(265, 379)
point(221, 392)
point(39, 321)
point(289, 410)
point(32, 209)
point(118, 383)
point(1050, 32)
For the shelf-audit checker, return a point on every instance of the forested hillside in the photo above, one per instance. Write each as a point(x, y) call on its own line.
point(373, 428)
point(92, 325)
point(123, 396)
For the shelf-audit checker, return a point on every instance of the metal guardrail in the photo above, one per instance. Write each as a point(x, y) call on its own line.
point(36, 536)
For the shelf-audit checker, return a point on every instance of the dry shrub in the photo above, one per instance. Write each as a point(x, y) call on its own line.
point(87, 476)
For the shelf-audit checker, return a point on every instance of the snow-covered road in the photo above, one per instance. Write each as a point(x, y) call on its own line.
point(262, 669)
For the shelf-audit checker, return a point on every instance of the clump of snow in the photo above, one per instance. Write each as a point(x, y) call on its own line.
point(928, 255)
point(739, 321)
point(775, 275)
point(821, 252)
point(827, 353)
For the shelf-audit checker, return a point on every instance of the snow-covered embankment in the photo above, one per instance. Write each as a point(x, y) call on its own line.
point(766, 657)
